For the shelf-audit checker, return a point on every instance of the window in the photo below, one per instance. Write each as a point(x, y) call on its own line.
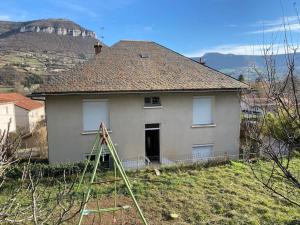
point(201, 152)
point(152, 101)
point(4, 110)
point(95, 112)
point(202, 110)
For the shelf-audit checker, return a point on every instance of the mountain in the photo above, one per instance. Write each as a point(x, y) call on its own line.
point(235, 65)
point(42, 47)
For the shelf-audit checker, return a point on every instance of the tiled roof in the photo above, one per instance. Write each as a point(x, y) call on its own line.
point(136, 66)
point(20, 100)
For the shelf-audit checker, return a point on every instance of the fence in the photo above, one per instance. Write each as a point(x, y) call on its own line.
point(140, 162)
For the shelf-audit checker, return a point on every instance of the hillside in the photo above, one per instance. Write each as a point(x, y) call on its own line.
point(42, 47)
point(235, 65)
point(223, 194)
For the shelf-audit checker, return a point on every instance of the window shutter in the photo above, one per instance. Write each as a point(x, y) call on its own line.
point(95, 112)
point(202, 152)
point(202, 110)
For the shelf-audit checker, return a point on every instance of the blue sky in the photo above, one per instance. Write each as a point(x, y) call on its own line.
point(188, 27)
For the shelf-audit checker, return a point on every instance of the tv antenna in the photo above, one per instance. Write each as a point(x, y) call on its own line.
point(101, 34)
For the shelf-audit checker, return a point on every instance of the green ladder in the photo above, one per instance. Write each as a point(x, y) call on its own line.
point(103, 139)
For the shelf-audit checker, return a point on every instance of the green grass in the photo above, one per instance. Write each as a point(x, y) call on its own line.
point(6, 89)
point(226, 194)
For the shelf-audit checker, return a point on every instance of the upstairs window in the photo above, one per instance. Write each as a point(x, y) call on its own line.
point(152, 101)
point(95, 111)
point(202, 110)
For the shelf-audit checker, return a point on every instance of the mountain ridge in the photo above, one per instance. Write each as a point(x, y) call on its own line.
point(58, 26)
point(235, 65)
point(42, 47)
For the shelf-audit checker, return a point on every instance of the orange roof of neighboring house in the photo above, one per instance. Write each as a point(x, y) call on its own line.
point(20, 100)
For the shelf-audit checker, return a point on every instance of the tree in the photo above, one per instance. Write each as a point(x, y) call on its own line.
point(280, 126)
point(32, 79)
point(241, 78)
point(275, 135)
point(31, 201)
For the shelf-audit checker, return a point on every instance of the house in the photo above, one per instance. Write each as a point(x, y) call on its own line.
point(254, 107)
point(157, 104)
point(19, 112)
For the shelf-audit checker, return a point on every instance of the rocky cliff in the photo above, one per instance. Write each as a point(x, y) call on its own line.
point(42, 47)
point(50, 26)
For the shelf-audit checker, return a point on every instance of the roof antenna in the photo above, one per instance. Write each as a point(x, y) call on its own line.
point(98, 45)
point(101, 34)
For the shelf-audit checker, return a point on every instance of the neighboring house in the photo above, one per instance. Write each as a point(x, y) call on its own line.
point(254, 107)
point(19, 112)
point(156, 103)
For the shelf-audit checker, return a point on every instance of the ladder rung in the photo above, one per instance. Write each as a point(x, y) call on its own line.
point(91, 211)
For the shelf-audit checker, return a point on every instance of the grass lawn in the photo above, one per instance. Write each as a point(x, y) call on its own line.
point(226, 194)
point(6, 89)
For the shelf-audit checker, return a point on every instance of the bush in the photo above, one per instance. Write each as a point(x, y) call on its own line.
point(47, 170)
point(32, 79)
point(282, 127)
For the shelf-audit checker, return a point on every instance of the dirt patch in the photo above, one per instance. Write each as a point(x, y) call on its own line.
point(122, 217)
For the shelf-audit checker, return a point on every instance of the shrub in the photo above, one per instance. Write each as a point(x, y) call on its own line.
point(47, 170)
point(282, 127)
point(32, 79)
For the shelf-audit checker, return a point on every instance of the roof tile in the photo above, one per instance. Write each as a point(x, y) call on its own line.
point(20, 100)
point(121, 68)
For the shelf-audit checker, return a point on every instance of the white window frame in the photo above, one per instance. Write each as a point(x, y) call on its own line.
point(150, 105)
point(195, 124)
point(202, 145)
point(87, 131)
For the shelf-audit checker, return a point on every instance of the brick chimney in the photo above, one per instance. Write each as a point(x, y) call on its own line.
point(201, 61)
point(97, 47)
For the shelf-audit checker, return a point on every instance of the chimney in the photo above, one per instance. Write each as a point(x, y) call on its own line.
point(97, 47)
point(201, 61)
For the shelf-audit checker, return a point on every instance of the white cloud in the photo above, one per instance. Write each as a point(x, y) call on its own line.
point(278, 21)
point(5, 17)
point(289, 23)
point(239, 49)
point(280, 28)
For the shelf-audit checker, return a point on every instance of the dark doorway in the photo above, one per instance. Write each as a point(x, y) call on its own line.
point(152, 142)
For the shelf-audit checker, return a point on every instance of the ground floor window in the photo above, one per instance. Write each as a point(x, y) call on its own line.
point(202, 152)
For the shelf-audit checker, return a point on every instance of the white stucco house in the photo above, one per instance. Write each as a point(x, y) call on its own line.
point(157, 104)
point(19, 112)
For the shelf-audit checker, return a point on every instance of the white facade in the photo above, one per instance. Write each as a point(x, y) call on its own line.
point(35, 116)
point(19, 118)
point(7, 116)
point(188, 127)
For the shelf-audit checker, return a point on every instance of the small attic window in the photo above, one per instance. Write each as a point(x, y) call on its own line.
point(144, 55)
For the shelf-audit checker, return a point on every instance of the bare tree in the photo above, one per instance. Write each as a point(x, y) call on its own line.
point(35, 202)
point(8, 146)
point(274, 134)
point(32, 198)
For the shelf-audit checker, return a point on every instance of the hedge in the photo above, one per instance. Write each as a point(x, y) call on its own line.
point(47, 170)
